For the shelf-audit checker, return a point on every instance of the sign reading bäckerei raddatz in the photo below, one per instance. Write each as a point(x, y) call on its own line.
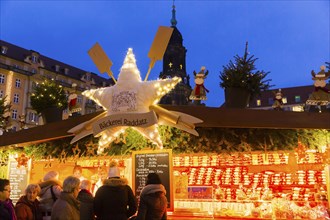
point(153, 161)
point(132, 120)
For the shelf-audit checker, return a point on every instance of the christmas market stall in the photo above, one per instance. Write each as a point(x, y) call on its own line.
point(242, 163)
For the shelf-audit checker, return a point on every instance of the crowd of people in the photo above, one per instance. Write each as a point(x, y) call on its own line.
point(73, 200)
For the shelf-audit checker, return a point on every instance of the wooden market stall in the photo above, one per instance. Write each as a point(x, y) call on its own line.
point(222, 185)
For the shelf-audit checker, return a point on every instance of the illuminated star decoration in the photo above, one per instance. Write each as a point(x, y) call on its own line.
point(131, 95)
point(48, 161)
point(76, 152)
point(90, 149)
point(22, 160)
point(62, 157)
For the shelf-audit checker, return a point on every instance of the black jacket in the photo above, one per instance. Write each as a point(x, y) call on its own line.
point(114, 200)
point(86, 205)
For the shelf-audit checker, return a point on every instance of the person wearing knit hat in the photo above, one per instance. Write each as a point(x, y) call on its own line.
point(114, 172)
point(51, 175)
point(115, 199)
point(51, 189)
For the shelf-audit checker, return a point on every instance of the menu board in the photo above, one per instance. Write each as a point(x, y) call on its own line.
point(153, 161)
point(18, 177)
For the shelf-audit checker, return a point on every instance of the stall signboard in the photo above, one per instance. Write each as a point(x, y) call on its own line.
point(19, 179)
point(153, 161)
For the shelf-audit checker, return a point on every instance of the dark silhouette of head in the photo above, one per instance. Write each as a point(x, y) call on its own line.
point(153, 178)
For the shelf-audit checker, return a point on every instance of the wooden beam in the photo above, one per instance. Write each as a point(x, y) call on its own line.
point(212, 117)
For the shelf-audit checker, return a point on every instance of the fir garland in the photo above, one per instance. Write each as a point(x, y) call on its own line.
point(210, 140)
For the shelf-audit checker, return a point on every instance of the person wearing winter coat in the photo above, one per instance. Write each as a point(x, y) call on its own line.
point(86, 201)
point(7, 211)
point(115, 199)
point(67, 207)
point(27, 206)
point(51, 189)
point(153, 202)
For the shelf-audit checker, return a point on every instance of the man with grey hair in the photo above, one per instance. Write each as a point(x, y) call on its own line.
point(67, 206)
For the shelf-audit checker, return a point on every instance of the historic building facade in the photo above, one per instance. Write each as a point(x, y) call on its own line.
point(20, 69)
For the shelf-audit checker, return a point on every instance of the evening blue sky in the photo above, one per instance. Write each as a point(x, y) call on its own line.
point(290, 38)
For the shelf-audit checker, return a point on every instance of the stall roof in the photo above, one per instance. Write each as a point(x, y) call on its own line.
point(212, 117)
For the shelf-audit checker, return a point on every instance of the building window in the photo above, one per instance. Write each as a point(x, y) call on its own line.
point(16, 98)
point(284, 100)
point(298, 108)
point(33, 71)
point(14, 114)
point(258, 102)
point(18, 83)
point(17, 66)
point(34, 59)
point(297, 98)
point(57, 68)
point(79, 99)
point(4, 50)
point(2, 79)
point(33, 117)
point(1, 94)
point(270, 101)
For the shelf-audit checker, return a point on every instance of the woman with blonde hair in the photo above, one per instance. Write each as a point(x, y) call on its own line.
point(67, 206)
point(27, 207)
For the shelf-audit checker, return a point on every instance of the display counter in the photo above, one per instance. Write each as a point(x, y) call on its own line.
point(258, 185)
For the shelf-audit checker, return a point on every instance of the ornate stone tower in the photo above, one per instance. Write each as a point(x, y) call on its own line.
point(174, 64)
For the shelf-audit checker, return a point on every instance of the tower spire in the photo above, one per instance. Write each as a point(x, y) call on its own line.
point(173, 20)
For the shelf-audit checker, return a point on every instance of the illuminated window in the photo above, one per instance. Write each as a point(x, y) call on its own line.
point(16, 98)
point(298, 108)
point(297, 98)
point(258, 102)
point(14, 114)
point(18, 83)
point(284, 100)
point(2, 78)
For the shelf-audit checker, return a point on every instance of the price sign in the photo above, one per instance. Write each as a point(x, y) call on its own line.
point(18, 177)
